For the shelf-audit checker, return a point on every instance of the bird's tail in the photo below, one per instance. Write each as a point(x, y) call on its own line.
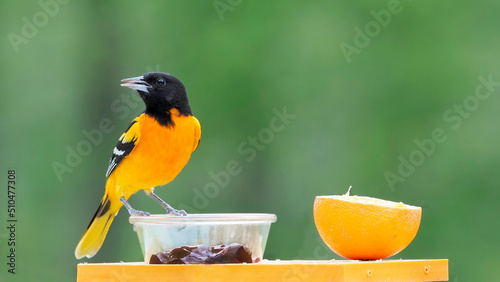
point(94, 236)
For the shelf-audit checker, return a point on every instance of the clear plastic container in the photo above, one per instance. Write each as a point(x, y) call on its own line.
point(159, 233)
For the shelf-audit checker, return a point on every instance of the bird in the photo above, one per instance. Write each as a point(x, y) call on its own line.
point(150, 153)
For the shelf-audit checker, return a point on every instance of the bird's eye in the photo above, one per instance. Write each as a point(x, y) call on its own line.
point(160, 82)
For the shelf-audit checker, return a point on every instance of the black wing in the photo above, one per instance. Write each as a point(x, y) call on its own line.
point(125, 145)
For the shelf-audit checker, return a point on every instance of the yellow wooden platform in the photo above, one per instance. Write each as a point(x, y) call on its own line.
point(296, 270)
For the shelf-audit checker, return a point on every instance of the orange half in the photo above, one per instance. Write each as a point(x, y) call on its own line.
point(364, 228)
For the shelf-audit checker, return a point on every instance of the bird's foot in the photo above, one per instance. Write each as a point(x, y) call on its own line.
point(167, 207)
point(174, 212)
point(139, 213)
point(131, 210)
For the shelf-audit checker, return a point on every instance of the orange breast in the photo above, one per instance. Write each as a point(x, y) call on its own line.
point(160, 154)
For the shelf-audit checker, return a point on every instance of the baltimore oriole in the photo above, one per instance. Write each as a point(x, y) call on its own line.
point(151, 152)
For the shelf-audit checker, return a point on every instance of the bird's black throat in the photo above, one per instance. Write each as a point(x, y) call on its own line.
point(163, 115)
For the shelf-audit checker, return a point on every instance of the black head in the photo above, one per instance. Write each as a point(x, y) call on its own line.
point(160, 92)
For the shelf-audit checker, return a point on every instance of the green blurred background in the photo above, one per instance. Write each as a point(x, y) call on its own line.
point(355, 115)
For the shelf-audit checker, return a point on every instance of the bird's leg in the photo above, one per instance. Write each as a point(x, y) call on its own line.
point(167, 207)
point(131, 210)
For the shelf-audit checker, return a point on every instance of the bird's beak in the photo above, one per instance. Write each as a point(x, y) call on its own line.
point(136, 83)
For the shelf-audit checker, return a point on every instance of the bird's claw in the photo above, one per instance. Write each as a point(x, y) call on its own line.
point(141, 213)
point(175, 212)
